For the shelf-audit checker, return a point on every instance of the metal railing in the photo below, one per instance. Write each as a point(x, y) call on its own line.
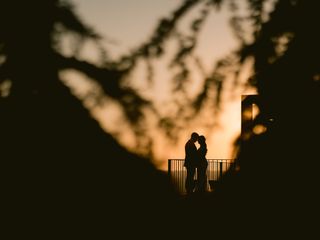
point(216, 168)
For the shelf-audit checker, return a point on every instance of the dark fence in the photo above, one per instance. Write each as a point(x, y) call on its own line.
point(216, 168)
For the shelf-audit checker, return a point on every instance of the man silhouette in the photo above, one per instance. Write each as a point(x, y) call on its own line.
point(190, 162)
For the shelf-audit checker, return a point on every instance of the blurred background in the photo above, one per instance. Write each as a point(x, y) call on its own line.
point(123, 25)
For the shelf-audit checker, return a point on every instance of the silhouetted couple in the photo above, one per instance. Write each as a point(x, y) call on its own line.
point(196, 159)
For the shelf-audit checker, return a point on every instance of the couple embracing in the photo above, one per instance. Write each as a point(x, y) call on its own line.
point(196, 159)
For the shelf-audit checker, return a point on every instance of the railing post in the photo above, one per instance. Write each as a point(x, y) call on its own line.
point(169, 168)
point(220, 169)
point(234, 166)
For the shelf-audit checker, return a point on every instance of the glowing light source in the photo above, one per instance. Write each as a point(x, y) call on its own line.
point(259, 129)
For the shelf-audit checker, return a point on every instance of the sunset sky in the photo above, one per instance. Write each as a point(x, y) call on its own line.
point(125, 24)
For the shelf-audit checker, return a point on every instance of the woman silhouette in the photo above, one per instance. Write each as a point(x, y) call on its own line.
point(202, 164)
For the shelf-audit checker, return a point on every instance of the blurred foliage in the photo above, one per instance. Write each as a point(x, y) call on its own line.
point(263, 33)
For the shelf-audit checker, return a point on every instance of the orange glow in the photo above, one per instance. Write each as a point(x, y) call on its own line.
point(215, 41)
point(259, 129)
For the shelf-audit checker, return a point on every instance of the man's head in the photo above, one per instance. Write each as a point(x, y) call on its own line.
point(194, 136)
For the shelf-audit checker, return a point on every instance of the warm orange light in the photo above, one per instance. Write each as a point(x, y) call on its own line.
point(259, 129)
